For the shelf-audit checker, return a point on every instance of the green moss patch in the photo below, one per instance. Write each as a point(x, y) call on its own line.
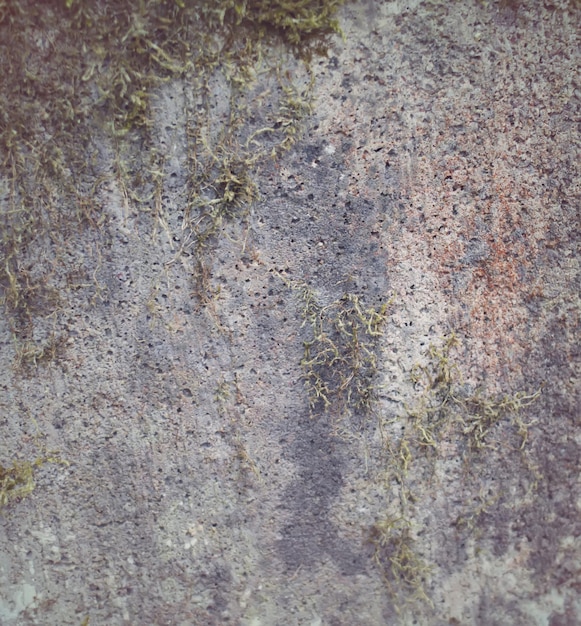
point(17, 480)
point(77, 111)
point(340, 363)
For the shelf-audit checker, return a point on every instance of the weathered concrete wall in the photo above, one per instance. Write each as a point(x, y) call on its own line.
point(441, 167)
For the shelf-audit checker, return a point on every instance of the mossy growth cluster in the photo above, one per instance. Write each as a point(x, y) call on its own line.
point(404, 570)
point(445, 406)
point(341, 357)
point(78, 103)
point(17, 480)
point(448, 430)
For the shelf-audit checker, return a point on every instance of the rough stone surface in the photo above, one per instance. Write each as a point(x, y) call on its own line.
point(441, 165)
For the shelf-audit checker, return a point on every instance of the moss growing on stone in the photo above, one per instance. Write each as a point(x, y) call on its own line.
point(17, 479)
point(77, 111)
point(445, 415)
point(340, 363)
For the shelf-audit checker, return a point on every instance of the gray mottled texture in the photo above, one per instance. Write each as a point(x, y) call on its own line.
point(441, 164)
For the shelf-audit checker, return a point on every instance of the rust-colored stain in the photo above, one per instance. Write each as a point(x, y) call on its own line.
point(464, 197)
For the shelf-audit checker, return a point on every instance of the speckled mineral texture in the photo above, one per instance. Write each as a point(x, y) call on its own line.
point(439, 172)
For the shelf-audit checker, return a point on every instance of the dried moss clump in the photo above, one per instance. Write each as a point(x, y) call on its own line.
point(446, 406)
point(304, 24)
point(16, 481)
